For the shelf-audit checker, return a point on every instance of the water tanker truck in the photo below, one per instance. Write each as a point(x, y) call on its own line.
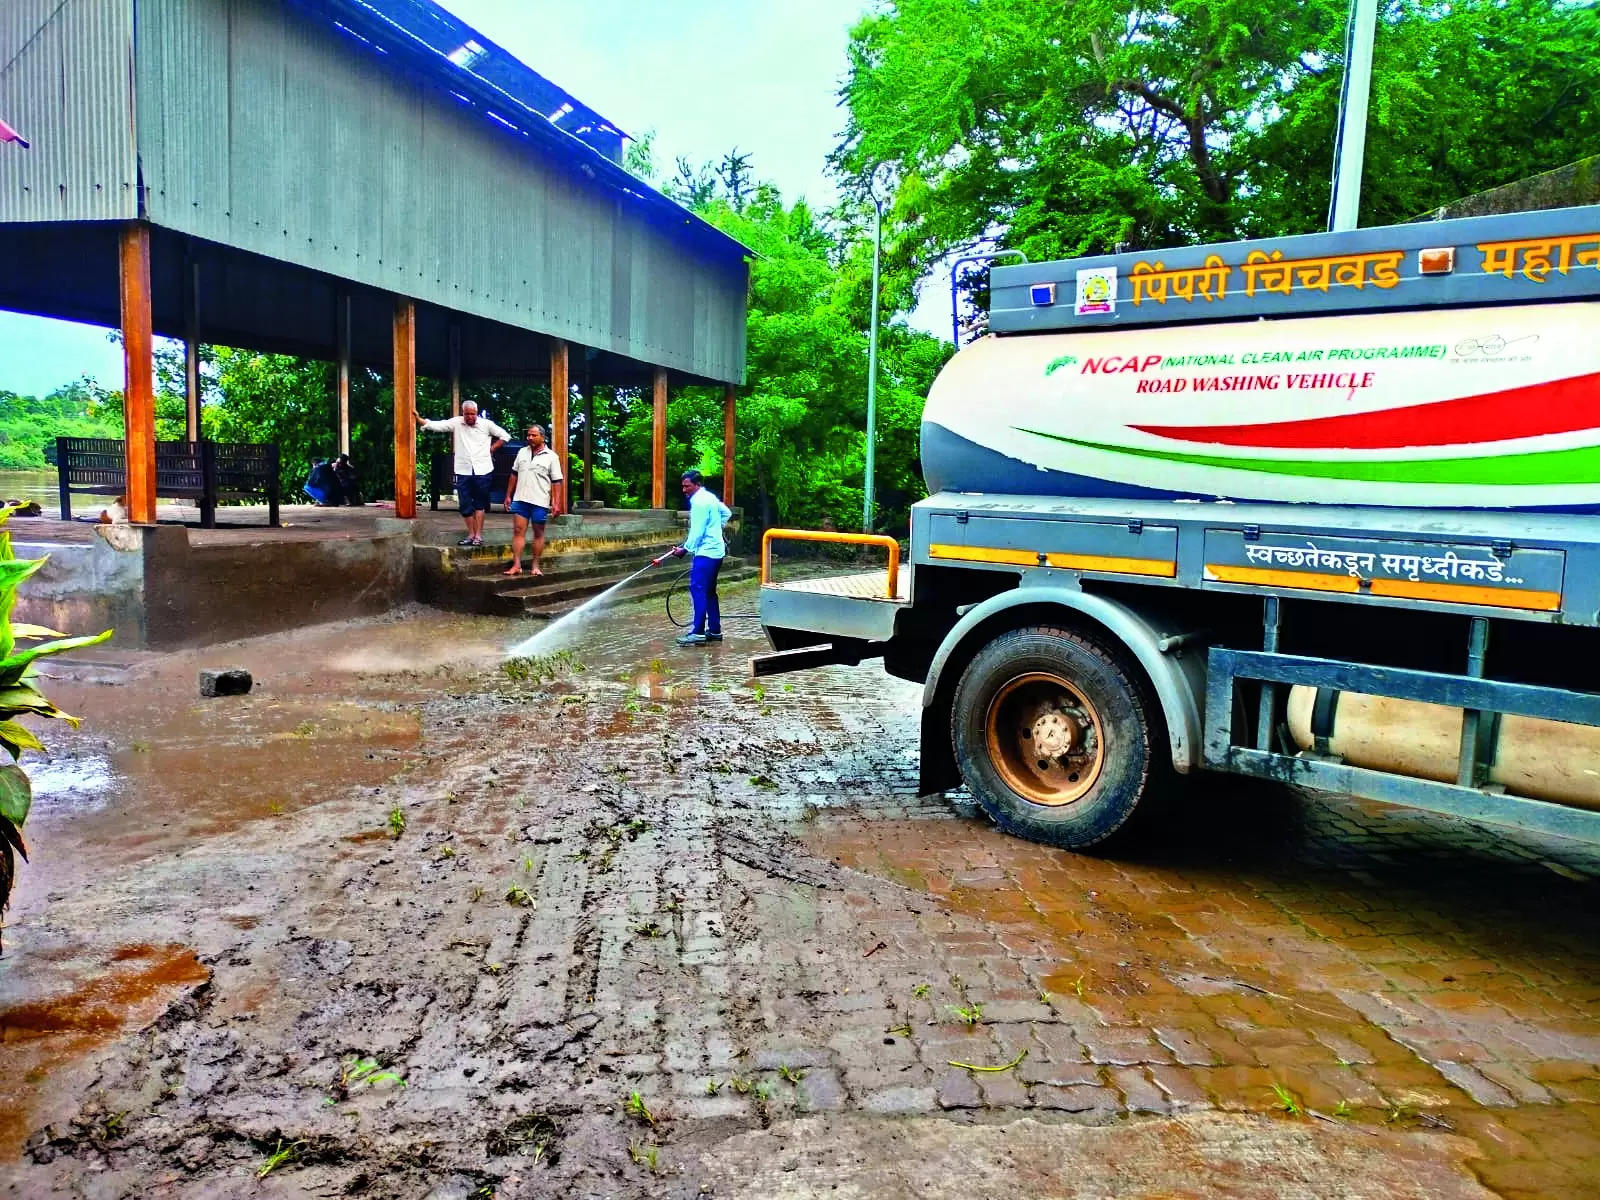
point(1321, 509)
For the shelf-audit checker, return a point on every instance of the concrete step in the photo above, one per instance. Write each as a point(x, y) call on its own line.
point(559, 573)
point(571, 564)
point(550, 609)
point(554, 588)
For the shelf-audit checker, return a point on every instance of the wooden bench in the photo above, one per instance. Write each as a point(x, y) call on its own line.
point(203, 471)
point(442, 474)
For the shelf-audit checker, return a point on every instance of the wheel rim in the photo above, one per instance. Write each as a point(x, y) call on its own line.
point(1045, 739)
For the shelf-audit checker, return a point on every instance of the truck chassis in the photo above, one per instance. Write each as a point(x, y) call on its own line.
point(1208, 612)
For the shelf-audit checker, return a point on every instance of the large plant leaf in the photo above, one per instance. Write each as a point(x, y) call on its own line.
point(10, 837)
point(14, 570)
point(11, 668)
point(16, 738)
point(22, 629)
point(25, 698)
point(16, 795)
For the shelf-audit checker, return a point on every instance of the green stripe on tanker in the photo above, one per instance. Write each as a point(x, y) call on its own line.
point(1548, 467)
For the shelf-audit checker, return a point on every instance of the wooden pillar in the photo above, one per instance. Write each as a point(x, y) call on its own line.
point(341, 320)
point(405, 405)
point(658, 443)
point(560, 397)
point(729, 428)
point(139, 385)
point(588, 436)
point(455, 370)
point(191, 351)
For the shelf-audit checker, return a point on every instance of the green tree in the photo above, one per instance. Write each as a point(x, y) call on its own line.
point(29, 425)
point(1069, 129)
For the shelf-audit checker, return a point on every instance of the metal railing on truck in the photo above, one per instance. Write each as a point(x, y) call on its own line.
point(833, 538)
point(1482, 701)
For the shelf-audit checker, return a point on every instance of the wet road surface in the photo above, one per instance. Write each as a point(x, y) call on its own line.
point(634, 871)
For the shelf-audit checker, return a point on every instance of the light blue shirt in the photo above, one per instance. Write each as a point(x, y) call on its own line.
point(707, 516)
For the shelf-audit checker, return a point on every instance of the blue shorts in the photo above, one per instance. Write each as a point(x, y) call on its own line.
point(536, 513)
point(472, 493)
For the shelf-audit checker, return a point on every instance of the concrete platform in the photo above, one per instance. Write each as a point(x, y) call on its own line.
point(174, 584)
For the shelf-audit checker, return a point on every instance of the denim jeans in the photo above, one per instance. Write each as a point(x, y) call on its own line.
point(703, 593)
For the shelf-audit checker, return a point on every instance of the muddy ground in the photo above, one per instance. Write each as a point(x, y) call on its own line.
point(399, 925)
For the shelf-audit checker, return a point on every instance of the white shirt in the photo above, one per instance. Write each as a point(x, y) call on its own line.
point(473, 456)
point(707, 516)
point(536, 474)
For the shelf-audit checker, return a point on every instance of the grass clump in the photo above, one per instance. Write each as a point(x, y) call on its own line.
point(358, 1072)
point(636, 1108)
point(283, 1154)
point(969, 1016)
point(1287, 1101)
point(645, 1154)
point(541, 668)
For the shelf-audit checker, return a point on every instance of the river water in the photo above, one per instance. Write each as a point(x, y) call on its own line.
point(28, 485)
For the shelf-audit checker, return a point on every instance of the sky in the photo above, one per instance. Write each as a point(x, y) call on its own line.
point(704, 75)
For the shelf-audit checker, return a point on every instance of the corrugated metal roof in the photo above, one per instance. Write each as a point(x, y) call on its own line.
point(505, 91)
point(259, 129)
point(468, 50)
point(66, 85)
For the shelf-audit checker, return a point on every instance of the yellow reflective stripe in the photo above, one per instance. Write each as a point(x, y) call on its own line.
point(1294, 579)
point(1466, 593)
point(1021, 558)
point(1165, 568)
point(1447, 593)
point(1121, 566)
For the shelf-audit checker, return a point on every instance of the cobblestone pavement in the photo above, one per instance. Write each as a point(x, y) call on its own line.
point(652, 928)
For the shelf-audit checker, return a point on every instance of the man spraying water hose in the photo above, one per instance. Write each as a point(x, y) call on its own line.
point(707, 516)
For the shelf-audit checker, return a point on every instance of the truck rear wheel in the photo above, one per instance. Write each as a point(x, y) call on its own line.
point(1055, 736)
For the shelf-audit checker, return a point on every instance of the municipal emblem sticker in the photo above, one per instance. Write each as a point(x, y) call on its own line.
point(1097, 291)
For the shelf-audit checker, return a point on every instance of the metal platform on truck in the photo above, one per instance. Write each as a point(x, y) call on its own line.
point(868, 586)
point(1528, 566)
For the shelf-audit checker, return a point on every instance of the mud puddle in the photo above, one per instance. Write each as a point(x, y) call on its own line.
point(80, 1001)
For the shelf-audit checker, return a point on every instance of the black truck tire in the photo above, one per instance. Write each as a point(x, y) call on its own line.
point(1057, 737)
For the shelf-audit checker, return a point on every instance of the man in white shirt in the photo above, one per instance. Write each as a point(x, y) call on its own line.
point(532, 497)
point(476, 440)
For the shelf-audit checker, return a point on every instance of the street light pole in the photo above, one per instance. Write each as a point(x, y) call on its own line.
point(1360, 32)
point(872, 367)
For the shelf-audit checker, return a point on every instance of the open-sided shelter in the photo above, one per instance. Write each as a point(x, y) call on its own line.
point(366, 181)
